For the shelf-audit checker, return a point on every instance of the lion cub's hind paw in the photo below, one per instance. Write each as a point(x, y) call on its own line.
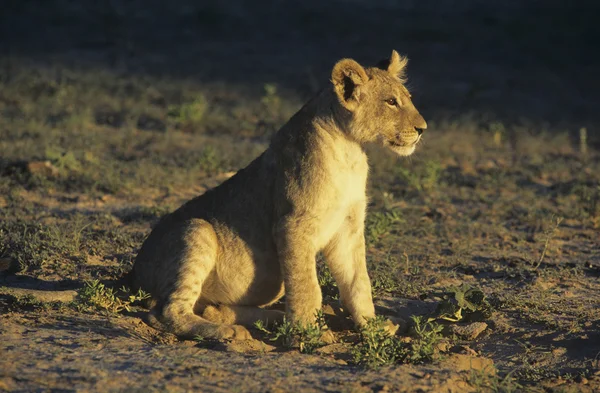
point(233, 332)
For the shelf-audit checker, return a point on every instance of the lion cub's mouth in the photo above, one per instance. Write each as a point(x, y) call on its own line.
point(396, 143)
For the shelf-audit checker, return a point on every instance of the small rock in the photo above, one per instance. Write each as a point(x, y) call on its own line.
point(461, 362)
point(470, 331)
point(332, 349)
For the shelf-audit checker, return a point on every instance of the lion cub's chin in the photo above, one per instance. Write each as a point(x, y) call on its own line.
point(404, 150)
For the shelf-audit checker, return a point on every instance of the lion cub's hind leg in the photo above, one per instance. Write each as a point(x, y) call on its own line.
point(196, 260)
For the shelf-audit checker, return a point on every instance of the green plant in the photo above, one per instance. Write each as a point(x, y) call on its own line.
point(498, 133)
point(486, 380)
point(326, 281)
point(424, 345)
point(37, 245)
point(376, 347)
point(549, 234)
point(383, 283)
point(462, 303)
point(209, 160)
point(306, 337)
point(589, 199)
point(64, 161)
point(271, 101)
point(379, 224)
point(189, 113)
point(423, 178)
point(96, 295)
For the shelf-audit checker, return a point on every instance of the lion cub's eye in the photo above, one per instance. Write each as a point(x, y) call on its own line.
point(391, 101)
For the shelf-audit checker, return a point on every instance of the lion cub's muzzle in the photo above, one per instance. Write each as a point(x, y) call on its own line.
point(406, 138)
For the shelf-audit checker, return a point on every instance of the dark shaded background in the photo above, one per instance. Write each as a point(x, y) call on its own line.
point(514, 61)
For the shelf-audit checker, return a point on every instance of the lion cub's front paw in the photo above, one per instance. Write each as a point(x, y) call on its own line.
point(233, 332)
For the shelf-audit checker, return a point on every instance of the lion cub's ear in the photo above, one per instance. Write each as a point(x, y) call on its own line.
point(347, 77)
point(397, 64)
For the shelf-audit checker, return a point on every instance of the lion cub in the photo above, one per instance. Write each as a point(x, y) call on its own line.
point(213, 264)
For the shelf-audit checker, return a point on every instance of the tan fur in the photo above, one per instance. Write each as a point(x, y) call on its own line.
point(216, 262)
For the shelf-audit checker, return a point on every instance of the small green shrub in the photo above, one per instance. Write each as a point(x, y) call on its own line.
point(378, 348)
point(209, 160)
point(306, 337)
point(463, 303)
point(380, 224)
point(189, 113)
point(424, 345)
point(271, 101)
point(423, 178)
point(326, 281)
point(96, 295)
point(487, 381)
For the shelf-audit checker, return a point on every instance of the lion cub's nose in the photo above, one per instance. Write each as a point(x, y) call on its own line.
point(420, 129)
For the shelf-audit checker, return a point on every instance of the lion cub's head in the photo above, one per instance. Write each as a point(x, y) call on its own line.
point(379, 104)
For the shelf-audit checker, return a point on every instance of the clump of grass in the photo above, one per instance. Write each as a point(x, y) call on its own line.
point(189, 114)
point(389, 275)
point(463, 303)
point(146, 213)
point(37, 245)
point(424, 178)
point(96, 295)
point(209, 160)
point(589, 199)
point(326, 281)
point(76, 171)
point(549, 234)
point(486, 380)
point(64, 244)
point(306, 337)
point(424, 346)
point(378, 348)
point(28, 302)
point(271, 100)
point(380, 224)
point(383, 283)
point(498, 133)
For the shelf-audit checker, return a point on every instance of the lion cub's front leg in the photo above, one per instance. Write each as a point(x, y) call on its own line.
point(297, 256)
point(346, 258)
